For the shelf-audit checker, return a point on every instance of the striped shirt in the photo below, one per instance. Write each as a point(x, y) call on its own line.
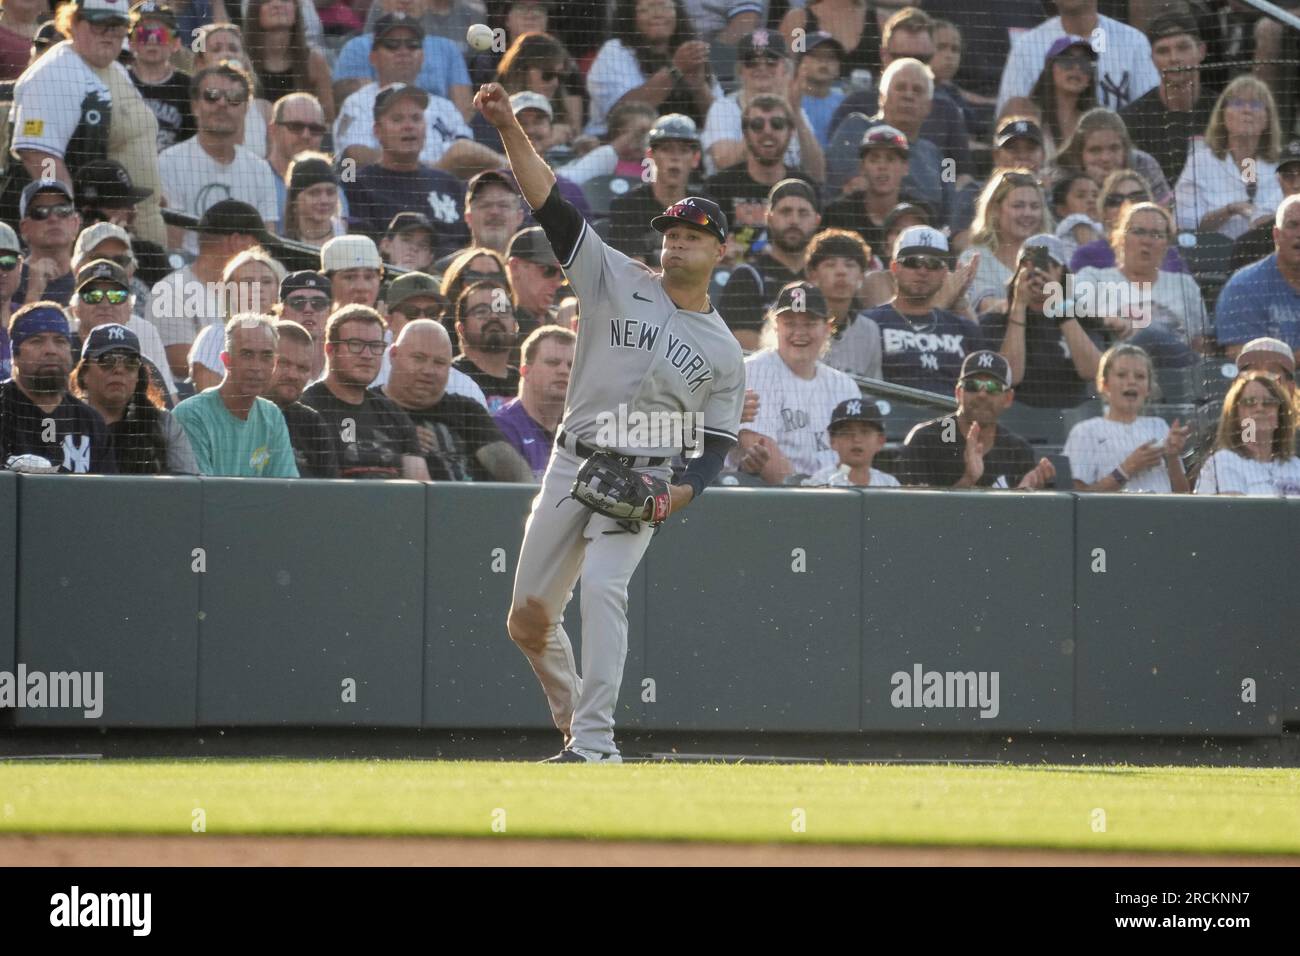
point(794, 411)
point(1098, 446)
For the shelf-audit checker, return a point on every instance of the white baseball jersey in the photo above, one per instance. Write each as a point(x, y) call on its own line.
point(355, 125)
point(193, 181)
point(1098, 446)
point(62, 107)
point(794, 411)
point(838, 477)
point(1226, 472)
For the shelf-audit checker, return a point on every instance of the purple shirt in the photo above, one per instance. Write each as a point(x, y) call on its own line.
point(1099, 255)
point(525, 435)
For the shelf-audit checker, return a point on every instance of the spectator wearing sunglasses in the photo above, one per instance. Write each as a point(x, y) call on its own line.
point(49, 224)
point(442, 18)
point(77, 102)
point(373, 438)
point(970, 449)
point(211, 165)
point(11, 268)
point(104, 240)
point(113, 379)
point(38, 393)
point(535, 279)
point(103, 297)
point(1064, 91)
point(305, 298)
point(924, 341)
point(1122, 188)
point(297, 126)
point(1254, 449)
point(538, 63)
point(233, 430)
point(765, 69)
point(487, 330)
point(155, 40)
point(313, 444)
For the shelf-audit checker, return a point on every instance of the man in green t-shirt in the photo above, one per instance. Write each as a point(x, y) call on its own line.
point(233, 431)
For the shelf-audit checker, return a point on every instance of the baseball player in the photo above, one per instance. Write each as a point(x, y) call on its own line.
point(649, 344)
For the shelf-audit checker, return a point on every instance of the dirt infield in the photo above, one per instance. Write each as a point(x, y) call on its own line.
point(205, 850)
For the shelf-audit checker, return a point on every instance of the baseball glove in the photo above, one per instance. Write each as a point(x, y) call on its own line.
point(606, 485)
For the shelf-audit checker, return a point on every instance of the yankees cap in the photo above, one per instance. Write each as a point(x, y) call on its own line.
point(33, 189)
point(856, 410)
point(1018, 129)
point(102, 270)
point(920, 241)
point(696, 211)
point(398, 21)
point(152, 10)
point(528, 100)
point(803, 297)
point(391, 94)
point(108, 338)
point(986, 362)
point(305, 279)
point(674, 126)
point(761, 43)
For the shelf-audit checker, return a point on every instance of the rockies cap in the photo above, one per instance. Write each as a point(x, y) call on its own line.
point(920, 241)
point(1018, 128)
point(803, 297)
point(490, 177)
point(109, 338)
point(97, 270)
point(761, 43)
point(410, 284)
point(393, 93)
point(105, 182)
point(696, 211)
point(398, 21)
point(531, 245)
point(9, 239)
point(793, 187)
point(906, 209)
point(1172, 23)
point(1065, 43)
point(152, 10)
point(409, 222)
point(821, 38)
point(91, 237)
point(1054, 246)
point(104, 11)
point(232, 217)
point(528, 100)
point(856, 410)
point(305, 279)
point(986, 362)
point(349, 252)
point(1290, 154)
point(1257, 350)
point(884, 136)
point(34, 189)
point(674, 126)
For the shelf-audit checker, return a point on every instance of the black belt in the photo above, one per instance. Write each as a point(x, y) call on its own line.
point(576, 446)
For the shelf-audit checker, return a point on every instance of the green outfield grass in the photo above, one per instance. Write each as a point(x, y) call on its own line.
point(1205, 810)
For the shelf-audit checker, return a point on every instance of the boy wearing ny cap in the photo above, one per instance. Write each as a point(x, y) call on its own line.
point(970, 449)
point(37, 394)
point(857, 433)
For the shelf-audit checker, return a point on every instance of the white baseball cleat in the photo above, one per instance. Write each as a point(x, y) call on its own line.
point(578, 755)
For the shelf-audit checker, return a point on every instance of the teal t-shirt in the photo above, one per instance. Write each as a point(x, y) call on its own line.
point(224, 445)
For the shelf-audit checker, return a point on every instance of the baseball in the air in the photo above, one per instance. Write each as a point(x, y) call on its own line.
point(480, 36)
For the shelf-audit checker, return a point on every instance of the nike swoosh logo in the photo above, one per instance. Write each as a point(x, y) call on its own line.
point(529, 441)
point(637, 295)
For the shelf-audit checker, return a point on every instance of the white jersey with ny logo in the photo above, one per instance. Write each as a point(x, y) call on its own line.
point(794, 411)
point(642, 364)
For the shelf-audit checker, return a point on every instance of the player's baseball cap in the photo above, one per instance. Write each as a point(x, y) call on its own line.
point(305, 279)
point(393, 93)
point(152, 10)
point(104, 11)
point(528, 100)
point(674, 126)
point(801, 296)
point(986, 362)
point(768, 43)
point(884, 136)
point(1265, 349)
point(693, 211)
point(398, 21)
point(9, 239)
point(793, 187)
point(1018, 129)
point(490, 177)
point(34, 189)
point(91, 237)
point(1066, 43)
point(856, 410)
point(1054, 246)
point(102, 270)
point(408, 285)
point(920, 241)
point(109, 338)
point(531, 245)
point(819, 38)
point(1172, 23)
point(1290, 154)
point(349, 252)
point(105, 182)
point(231, 217)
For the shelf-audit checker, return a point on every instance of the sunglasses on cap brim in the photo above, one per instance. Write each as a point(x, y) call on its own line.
point(692, 214)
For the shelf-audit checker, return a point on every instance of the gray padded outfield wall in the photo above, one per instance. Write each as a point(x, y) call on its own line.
point(222, 602)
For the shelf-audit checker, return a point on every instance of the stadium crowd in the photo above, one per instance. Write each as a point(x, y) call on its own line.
point(272, 238)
